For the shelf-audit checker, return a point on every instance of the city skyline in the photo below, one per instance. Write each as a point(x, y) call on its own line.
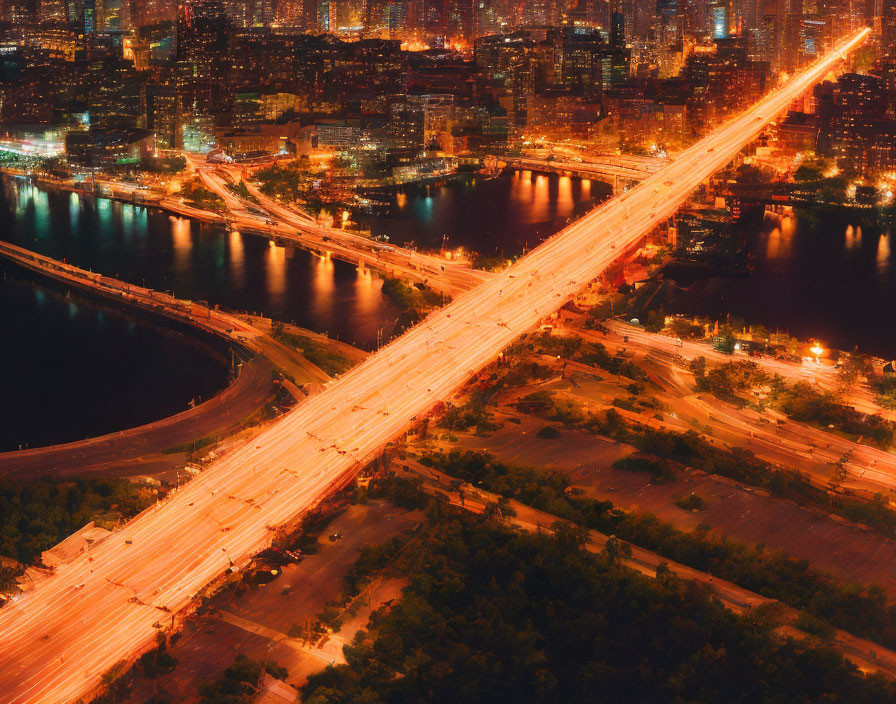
point(419, 350)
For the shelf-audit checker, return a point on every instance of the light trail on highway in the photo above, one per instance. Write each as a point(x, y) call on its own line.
point(57, 640)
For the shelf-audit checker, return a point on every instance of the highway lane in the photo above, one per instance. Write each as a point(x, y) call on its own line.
point(57, 640)
point(770, 435)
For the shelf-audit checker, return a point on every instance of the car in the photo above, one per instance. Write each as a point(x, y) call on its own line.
point(335, 536)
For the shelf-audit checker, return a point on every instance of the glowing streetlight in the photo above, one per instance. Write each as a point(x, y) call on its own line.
point(817, 350)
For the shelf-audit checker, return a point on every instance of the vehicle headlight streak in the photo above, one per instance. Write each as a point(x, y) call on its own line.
point(58, 639)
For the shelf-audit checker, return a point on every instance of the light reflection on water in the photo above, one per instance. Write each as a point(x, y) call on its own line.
point(236, 258)
point(276, 272)
point(824, 275)
point(169, 253)
point(240, 271)
point(883, 254)
point(182, 242)
point(324, 283)
point(507, 214)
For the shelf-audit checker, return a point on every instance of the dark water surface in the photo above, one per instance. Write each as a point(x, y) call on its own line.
point(500, 216)
point(825, 275)
point(195, 261)
point(73, 368)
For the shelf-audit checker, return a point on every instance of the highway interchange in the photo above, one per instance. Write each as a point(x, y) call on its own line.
point(57, 640)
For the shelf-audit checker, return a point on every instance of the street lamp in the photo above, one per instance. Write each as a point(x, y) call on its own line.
point(817, 350)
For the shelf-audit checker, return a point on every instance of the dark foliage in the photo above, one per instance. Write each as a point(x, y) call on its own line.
point(34, 516)
point(862, 610)
point(240, 682)
point(491, 615)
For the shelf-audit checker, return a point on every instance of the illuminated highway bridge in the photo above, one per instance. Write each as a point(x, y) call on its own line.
point(57, 640)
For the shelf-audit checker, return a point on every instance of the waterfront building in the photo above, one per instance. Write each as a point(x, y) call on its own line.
point(107, 148)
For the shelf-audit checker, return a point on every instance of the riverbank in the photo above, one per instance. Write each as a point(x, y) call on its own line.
point(157, 448)
point(148, 448)
point(112, 190)
point(819, 276)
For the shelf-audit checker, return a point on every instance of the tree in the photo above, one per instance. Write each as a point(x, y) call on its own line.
point(655, 321)
point(616, 550)
point(852, 369)
point(157, 662)
point(806, 173)
point(748, 173)
point(760, 332)
point(698, 366)
point(833, 190)
point(684, 328)
point(240, 682)
point(115, 681)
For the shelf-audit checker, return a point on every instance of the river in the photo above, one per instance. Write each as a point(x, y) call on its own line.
point(73, 368)
point(502, 216)
point(824, 275)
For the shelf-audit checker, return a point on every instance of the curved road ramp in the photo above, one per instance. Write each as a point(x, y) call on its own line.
point(57, 640)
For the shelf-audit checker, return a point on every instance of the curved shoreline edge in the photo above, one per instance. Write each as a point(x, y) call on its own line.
point(147, 446)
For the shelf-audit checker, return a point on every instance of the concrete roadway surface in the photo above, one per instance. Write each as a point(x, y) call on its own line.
point(825, 375)
point(866, 654)
point(595, 169)
point(57, 640)
point(770, 435)
point(443, 275)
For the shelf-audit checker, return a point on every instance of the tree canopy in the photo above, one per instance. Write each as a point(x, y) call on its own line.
point(493, 615)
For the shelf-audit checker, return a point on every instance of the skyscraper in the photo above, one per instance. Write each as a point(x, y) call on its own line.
point(888, 26)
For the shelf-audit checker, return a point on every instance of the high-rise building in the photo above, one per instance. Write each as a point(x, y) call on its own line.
point(249, 13)
point(21, 13)
point(81, 16)
point(888, 26)
point(720, 19)
point(152, 12)
point(52, 11)
point(618, 25)
point(854, 125)
point(111, 15)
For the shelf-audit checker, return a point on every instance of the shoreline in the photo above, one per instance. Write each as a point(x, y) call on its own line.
point(243, 397)
point(163, 205)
